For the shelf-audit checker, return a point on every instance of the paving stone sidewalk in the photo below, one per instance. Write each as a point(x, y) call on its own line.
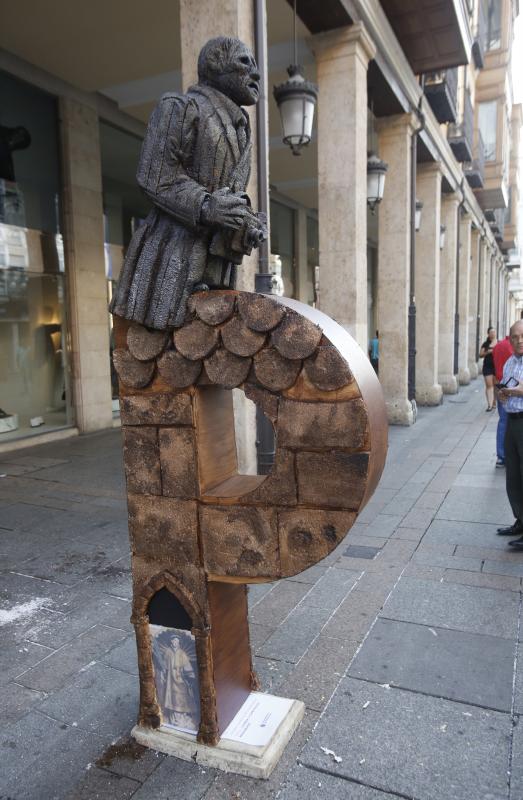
point(403, 643)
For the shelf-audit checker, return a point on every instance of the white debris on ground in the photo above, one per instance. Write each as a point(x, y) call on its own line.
point(21, 611)
point(328, 752)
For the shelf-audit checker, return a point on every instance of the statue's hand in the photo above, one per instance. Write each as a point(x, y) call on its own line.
point(224, 209)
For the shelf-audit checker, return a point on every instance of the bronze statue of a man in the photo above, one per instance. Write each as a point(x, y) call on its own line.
point(194, 166)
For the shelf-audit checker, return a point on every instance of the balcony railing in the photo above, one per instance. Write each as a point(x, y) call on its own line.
point(479, 44)
point(475, 170)
point(441, 90)
point(460, 134)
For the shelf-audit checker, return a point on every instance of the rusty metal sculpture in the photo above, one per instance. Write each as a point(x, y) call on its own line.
point(200, 531)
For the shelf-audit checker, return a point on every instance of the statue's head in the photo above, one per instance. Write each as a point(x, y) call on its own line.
point(229, 66)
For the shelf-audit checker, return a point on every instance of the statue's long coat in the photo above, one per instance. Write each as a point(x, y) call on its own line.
point(195, 143)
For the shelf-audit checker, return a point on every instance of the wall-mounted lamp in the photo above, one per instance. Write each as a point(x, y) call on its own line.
point(376, 171)
point(442, 231)
point(417, 215)
point(296, 100)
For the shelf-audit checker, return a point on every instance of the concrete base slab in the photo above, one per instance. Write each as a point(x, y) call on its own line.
point(227, 755)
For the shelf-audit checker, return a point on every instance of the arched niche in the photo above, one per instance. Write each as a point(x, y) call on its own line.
point(174, 661)
point(166, 610)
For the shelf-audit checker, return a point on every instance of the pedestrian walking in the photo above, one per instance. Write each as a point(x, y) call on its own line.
point(374, 352)
point(511, 395)
point(502, 351)
point(488, 367)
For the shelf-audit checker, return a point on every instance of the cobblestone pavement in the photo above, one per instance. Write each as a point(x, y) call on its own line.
point(403, 643)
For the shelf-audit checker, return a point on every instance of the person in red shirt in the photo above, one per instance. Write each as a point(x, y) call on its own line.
point(502, 351)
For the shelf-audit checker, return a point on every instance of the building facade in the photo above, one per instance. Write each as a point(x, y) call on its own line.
point(426, 86)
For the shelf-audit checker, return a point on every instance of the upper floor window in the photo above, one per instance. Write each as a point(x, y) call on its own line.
point(492, 13)
point(487, 123)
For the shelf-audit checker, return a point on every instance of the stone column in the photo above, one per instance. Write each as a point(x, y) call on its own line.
point(491, 289)
point(496, 295)
point(475, 266)
point(394, 265)
point(504, 304)
point(428, 190)
point(85, 265)
point(447, 294)
point(342, 58)
point(201, 20)
point(485, 290)
point(463, 300)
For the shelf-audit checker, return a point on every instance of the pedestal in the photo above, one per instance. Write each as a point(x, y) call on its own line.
point(254, 761)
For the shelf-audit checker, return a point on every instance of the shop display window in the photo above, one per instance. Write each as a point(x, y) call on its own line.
point(282, 243)
point(34, 382)
point(125, 209)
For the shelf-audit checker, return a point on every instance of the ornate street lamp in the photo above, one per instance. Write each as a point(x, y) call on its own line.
point(376, 171)
point(442, 231)
point(296, 100)
point(417, 215)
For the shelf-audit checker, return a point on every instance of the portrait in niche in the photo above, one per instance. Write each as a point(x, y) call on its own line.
point(176, 677)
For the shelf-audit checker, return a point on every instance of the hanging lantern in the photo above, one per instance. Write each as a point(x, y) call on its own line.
point(442, 231)
point(296, 99)
point(417, 215)
point(376, 171)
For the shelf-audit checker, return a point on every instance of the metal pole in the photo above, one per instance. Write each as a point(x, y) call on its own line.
point(412, 273)
point(265, 439)
point(260, 28)
point(411, 327)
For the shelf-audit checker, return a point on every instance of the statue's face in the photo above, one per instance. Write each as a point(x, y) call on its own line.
point(240, 79)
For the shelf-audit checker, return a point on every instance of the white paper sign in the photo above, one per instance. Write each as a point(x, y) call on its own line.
point(258, 719)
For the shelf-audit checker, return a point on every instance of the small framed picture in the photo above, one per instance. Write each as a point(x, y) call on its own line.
point(176, 677)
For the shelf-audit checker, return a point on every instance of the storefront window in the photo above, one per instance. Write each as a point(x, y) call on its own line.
point(34, 385)
point(282, 243)
point(125, 207)
point(313, 261)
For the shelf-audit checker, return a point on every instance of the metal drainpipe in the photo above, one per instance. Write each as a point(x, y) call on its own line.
point(265, 439)
point(456, 307)
point(262, 282)
point(505, 303)
point(411, 390)
point(499, 300)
